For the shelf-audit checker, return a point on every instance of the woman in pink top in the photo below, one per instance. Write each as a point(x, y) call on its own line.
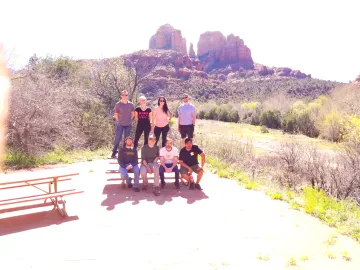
point(161, 117)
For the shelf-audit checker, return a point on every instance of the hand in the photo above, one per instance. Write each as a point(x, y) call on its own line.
point(190, 171)
point(168, 170)
point(129, 167)
point(149, 170)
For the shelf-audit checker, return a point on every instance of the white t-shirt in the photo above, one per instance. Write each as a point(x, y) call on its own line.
point(169, 155)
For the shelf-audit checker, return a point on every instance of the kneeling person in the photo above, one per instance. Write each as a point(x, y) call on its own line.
point(188, 159)
point(128, 161)
point(169, 156)
point(149, 158)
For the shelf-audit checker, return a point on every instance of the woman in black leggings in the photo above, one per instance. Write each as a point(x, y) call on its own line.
point(143, 118)
point(161, 117)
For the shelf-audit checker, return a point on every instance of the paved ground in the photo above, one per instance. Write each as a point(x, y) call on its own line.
point(222, 227)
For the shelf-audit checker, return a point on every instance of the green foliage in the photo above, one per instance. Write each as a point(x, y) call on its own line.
point(271, 119)
point(333, 127)
point(352, 129)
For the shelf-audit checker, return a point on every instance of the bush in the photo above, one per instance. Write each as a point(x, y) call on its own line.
point(234, 116)
point(333, 127)
point(271, 119)
point(201, 114)
point(212, 114)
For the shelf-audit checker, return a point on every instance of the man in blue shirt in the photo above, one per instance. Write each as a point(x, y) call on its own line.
point(186, 119)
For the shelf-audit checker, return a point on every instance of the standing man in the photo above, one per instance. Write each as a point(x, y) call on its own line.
point(123, 113)
point(128, 161)
point(149, 158)
point(189, 163)
point(169, 156)
point(186, 119)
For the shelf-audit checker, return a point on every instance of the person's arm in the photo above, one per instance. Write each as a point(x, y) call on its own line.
point(121, 158)
point(202, 155)
point(170, 115)
point(143, 160)
point(162, 162)
point(194, 116)
point(151, 118)
point(175, 161)
point(157, 156)
point(132, 112)
point(136, 116)
point(183, 164)
point(116, 113)
point(135, 159)
point(179, 116)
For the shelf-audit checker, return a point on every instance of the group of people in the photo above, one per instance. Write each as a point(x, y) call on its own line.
point(154, 123)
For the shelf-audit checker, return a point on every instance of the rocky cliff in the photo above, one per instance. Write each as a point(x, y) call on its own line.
point(168, 38)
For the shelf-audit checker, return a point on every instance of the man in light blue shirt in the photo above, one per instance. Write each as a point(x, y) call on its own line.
point(186, 120)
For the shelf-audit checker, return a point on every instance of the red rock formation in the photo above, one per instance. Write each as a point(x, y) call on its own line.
point(168, 38)
point(357, 80)
point(217, 51)
point(184, 73)
point(183, 61)
point(191, 51)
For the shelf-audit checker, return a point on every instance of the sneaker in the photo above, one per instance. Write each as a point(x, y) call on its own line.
point(197, 186)
point(157, 191)
point(192, 185)
point(162, 185)
point(136, 189)
point(113, 155)
point(177, 185)
point(130, 185)
point(144, 188)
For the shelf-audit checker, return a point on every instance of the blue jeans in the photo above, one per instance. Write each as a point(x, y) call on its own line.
point(118, 135)
point(175, 170)
point(124, 174)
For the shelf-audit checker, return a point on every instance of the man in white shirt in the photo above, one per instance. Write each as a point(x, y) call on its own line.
point(169, 156)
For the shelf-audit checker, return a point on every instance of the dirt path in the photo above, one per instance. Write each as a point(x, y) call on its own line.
point(222, 227)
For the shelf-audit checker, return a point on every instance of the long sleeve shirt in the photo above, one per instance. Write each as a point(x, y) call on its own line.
point(127, 156)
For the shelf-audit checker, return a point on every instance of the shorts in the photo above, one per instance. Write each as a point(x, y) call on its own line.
point(186, 131)
point(196, 168)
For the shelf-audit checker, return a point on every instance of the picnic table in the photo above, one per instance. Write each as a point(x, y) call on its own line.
point(53, 194)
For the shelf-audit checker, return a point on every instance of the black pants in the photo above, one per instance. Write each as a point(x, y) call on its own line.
point(139, 130)
point(164, 131)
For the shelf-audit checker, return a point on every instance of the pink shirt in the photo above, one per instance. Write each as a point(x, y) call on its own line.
point(161, 118)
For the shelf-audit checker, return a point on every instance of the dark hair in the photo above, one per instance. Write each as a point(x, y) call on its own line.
point(165, 107)
point(188, 140)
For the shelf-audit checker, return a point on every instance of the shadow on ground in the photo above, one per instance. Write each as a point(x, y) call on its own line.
point(116, 194)
point(16, 224)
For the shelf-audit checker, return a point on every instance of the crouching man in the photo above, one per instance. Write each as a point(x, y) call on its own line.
point(149, 158)
point(169, 156)
point(128, 161)
point(188, 159)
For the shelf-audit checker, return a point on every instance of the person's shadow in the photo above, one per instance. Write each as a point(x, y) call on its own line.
point(116, 194)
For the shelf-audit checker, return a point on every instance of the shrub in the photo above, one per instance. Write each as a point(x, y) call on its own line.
point(271, 119)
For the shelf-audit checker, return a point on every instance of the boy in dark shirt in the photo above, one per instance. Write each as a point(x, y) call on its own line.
point(128, 161)
point(188, 159)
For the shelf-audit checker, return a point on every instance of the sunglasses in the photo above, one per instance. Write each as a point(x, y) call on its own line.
point(162, 100)
point(185, 97)
point(124, 94)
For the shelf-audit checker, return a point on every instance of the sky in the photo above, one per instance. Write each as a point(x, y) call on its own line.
point(318, 37)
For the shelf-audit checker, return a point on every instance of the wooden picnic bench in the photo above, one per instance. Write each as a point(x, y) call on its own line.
point(52, 194)
point(114, 161)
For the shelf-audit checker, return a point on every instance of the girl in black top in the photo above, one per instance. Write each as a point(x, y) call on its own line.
point(143, 118)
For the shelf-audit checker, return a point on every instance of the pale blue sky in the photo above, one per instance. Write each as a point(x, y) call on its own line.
point(317, 37)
